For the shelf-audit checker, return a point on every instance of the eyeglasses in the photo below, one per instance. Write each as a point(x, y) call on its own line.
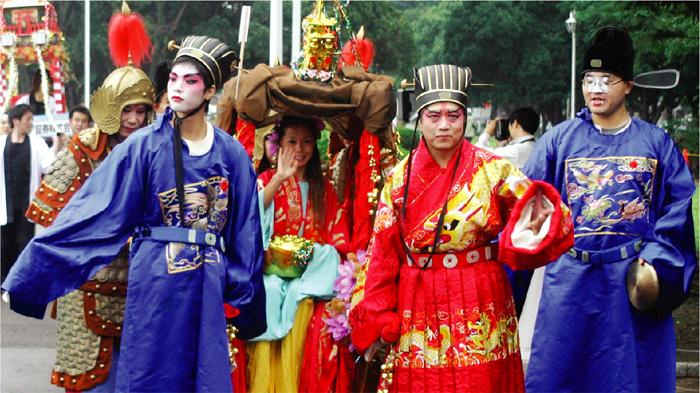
point(602, 83)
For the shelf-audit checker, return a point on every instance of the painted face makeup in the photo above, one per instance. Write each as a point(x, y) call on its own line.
point(442, 126)
point(185, 88)
point(451, 115)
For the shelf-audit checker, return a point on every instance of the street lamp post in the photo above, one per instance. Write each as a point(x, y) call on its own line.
point(571, 27)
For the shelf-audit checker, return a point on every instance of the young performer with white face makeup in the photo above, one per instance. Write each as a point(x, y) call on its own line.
point(185, 192)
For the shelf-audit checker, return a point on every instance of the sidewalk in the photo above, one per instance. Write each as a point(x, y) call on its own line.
point(687, 385)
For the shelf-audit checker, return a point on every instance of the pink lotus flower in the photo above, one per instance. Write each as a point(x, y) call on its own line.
point(338, 326)
point(346, 282)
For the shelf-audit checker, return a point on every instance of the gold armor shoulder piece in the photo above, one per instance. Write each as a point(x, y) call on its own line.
point(91, 142)
point(90, 137)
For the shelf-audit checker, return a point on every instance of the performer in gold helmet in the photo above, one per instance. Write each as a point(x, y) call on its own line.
point(91, 317)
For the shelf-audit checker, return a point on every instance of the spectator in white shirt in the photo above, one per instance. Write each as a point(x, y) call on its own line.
point(518, 141)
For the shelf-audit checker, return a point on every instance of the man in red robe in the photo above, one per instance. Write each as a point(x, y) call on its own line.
point(433, 285)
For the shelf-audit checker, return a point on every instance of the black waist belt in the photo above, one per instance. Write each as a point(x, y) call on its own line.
point(610, 255)
point(182, 235)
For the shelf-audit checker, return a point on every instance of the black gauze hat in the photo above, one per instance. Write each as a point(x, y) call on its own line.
point(442, 82)
point(161, 76)
point(612, 52)
point(216, 56)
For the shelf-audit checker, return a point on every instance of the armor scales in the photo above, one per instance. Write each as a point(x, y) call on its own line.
point(89, 318)
point(65, 176)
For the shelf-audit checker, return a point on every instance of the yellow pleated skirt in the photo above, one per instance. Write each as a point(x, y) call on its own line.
point(275, 366)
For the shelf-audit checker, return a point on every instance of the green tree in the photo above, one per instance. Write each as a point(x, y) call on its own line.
point(524, 49)
point(173, 20)
point(507, 44)
point(390, 32)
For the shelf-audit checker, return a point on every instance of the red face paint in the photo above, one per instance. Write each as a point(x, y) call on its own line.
point(451, 115)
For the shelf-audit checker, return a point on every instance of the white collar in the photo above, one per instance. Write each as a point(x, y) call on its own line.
point(201, 147)
point(621, 130)
point(522, 139)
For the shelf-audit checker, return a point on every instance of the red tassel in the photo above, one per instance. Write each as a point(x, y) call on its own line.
point(245, 134)
point(128, 36)
point(230, 311)
point(363, 48)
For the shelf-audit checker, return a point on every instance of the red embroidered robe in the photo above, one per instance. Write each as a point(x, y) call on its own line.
point(320, 363)
point(454, 329)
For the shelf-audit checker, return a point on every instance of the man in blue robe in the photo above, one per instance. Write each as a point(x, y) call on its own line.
point(182, 272)
point(630, 194)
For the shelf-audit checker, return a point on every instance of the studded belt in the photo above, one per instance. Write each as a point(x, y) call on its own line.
point(454, 260)
point(182, 235)
point(619, 253)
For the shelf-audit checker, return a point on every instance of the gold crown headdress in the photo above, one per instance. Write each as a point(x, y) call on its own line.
point(319, 57)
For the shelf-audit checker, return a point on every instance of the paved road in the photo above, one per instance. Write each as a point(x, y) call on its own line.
point(27, 353)
point(28, 350)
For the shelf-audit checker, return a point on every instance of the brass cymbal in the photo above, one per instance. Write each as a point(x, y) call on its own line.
point(642, 285)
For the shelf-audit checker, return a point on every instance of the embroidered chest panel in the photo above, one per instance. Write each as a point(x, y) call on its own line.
point(206, 205)
point(610, 195)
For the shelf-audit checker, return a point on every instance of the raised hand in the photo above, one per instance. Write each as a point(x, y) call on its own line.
point(286, 164)
point(286, 167)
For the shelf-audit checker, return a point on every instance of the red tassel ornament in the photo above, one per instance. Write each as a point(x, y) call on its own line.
point(128, 38)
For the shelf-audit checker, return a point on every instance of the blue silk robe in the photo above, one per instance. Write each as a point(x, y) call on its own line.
point(174, 336)
point(631, 186)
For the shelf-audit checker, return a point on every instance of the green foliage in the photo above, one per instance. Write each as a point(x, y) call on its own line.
point(389, 31)
point(323, 145)
point(429, 32)
point(407, 142)
point(685, 133)
point(523, 48)
point(505, 44)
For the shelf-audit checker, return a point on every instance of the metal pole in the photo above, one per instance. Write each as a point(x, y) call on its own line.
point(275, 31)
point(86, 88)
point(571, 27)
point(573, 74)
point(296, 28)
